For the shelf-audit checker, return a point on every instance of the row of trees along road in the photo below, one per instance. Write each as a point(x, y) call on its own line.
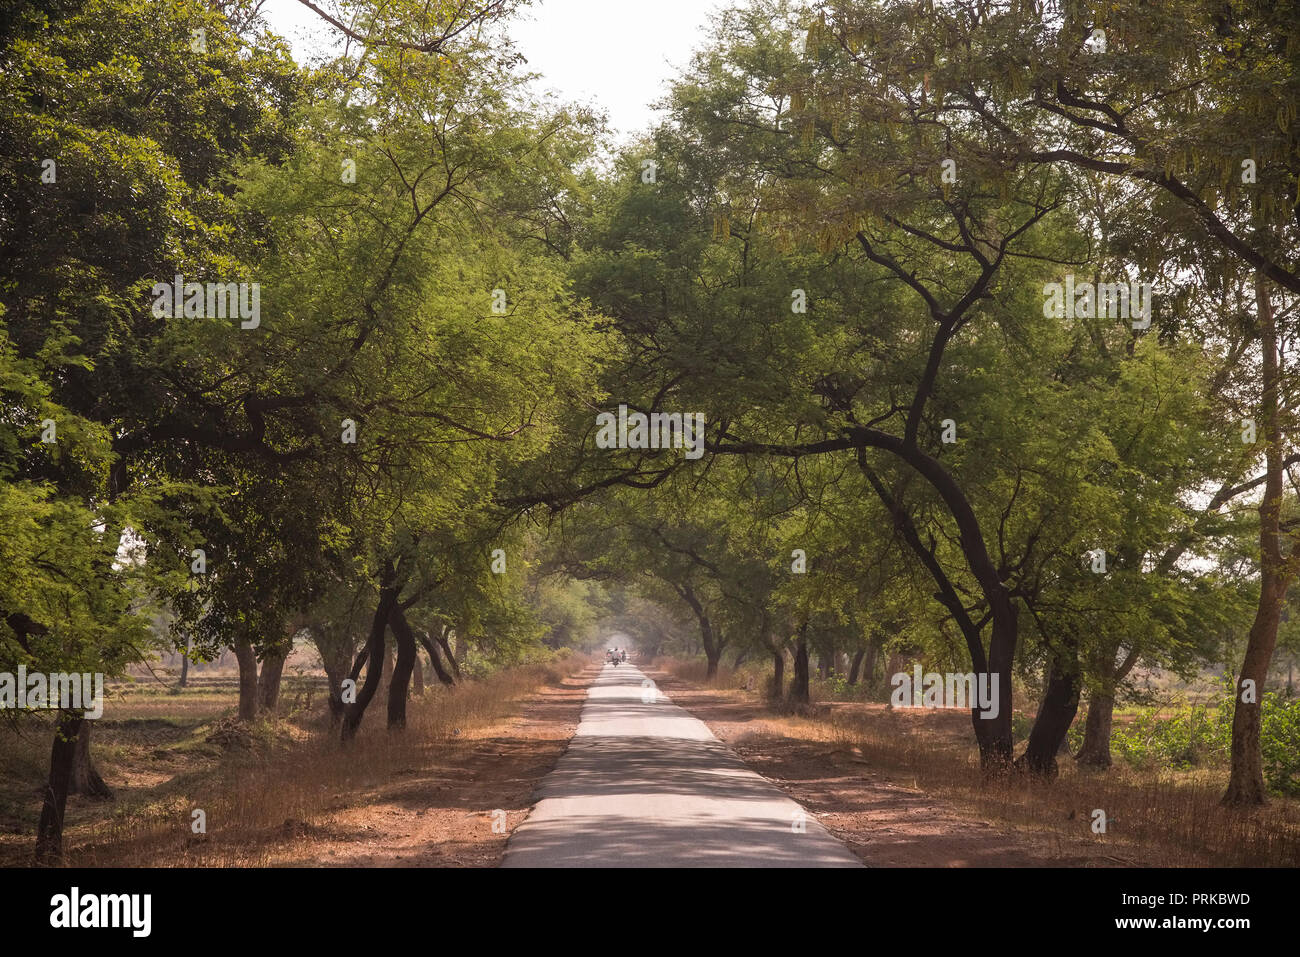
point(835, 248)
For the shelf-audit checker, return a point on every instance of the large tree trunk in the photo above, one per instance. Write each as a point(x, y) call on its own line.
point(1095, 750)
point(49, 832)
point(268, 682)
point(402, 667)
point(1055, 712)
point(799, 682)
point(247, 659)
point(85, 779)
point(1246, 783)
point(714, 657)
point(389, 656)
point(778, 674)
point(353, 713)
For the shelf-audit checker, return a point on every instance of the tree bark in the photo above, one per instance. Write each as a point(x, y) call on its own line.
point(336, 693)
point(441, 638)
point(435, 659)
point(49, 831)
point(402, 667)
point(268, 682)
point(247, 659)
point(1055, 712)
point(85, 779)
point(1246, 783)
point(353, 713)
point(185, 661)
point(778, 674)
point(1095, 750)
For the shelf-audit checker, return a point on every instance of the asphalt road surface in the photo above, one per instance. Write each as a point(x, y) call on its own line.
point(644, 784)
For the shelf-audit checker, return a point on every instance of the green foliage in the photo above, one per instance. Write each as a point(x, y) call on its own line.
point(1200, 735)
point(1194, 736)
point(1280, 742)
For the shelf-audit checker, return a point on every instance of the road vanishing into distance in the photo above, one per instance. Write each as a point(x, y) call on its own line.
point(644, 784)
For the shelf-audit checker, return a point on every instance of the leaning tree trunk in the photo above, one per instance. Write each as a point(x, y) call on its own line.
point(337, 704)
point(85, 779)
point(402, 668)
point(1246, 783)
point(994, 735)
point(247, 659)
point(49, 832)
point(354, 712)
point(435, 659)
point(461, 644)
point(1055, 712)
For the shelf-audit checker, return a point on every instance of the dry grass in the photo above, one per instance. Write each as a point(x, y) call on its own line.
point(260, 781)
point(1155, 818)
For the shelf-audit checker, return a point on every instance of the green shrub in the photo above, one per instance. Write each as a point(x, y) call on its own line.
point(1189, 738)
point(1202, 735)
point(1280, 741)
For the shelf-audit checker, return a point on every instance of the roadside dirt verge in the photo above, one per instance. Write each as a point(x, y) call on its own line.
point(447, 791)
point(443, 815)
point(880, 815)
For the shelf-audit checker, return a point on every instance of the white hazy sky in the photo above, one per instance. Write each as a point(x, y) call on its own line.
point(616, 54)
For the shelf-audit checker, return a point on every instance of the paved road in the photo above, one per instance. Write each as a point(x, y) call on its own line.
point(644, 784)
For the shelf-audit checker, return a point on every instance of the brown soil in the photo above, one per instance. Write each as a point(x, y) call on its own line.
point(433, 807)
point(442, 815)
point(881, 818)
